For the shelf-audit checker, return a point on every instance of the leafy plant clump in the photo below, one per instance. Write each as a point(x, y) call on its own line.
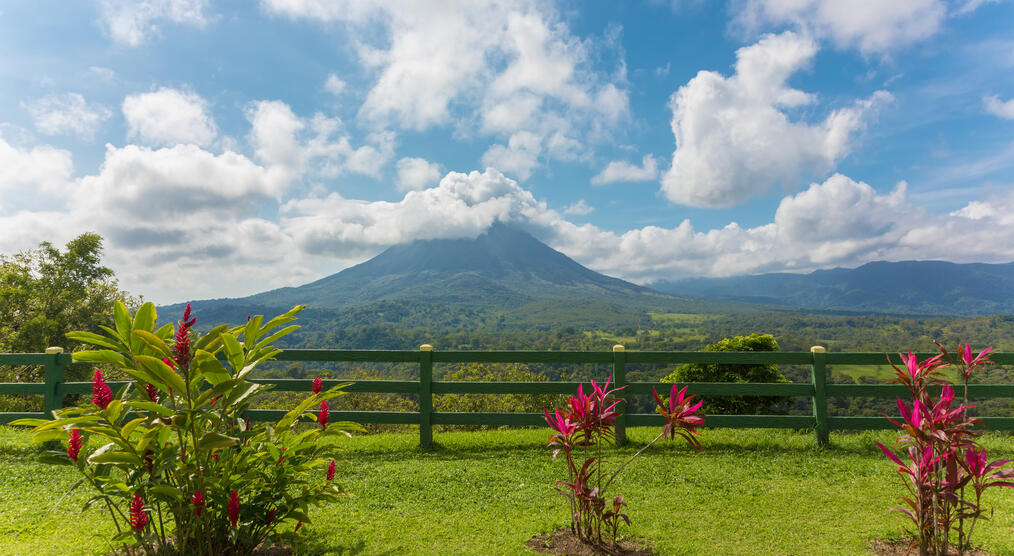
point(172, 457)
point(944, 469)
point(586, 423)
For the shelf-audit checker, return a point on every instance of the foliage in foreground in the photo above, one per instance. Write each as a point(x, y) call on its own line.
point(179, 470)
point(942, 458)
point(589, 421)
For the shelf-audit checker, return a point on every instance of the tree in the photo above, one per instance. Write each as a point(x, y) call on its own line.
point(711, 372)
point(45, 293)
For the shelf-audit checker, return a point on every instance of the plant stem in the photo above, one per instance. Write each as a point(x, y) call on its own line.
point(632, 458)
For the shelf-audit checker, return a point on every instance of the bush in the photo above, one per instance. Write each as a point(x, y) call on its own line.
point(710, 372)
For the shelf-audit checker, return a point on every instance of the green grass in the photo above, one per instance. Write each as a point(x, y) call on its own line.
point(750, 492)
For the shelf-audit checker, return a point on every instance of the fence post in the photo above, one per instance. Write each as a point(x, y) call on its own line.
point(619, 380)
point(818, 376)
point(53, 377)
point(425, 395)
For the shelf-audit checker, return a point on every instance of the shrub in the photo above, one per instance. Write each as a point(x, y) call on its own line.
point(493, 403)
point(715, 372)
point(588, 421)
point(178, 466)
point(941, 458)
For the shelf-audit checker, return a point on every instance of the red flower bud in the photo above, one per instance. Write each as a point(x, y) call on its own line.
point(323, 415)
point(318, 385)
point(101, 394)
point(330, 471)
point(233, 508)
point(152, 392)
point(74, 444)
point(181, 345)
point(198, 501)
point(271, 515)
point(298, 525)
point(282, 457)
point(138, 517)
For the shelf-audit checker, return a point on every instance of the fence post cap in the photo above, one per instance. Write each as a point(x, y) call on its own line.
point(619, 347)
point(425, 347)
point(54, 350)
point(818, 349)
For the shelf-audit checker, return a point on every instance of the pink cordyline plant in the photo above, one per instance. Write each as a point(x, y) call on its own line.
point(102, 395)
point(589, 420)
point(942, 456)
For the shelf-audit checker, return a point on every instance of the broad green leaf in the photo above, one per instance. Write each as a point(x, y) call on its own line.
point(154, 342)
point(252, 331)
point(95, 339)
point(272, 338)
point(115, 458)
point(158, 369)
point(144, 318)
point(130, 426)
point(242, 392)
point(53, 458)
point(233, 351)
point(102, 357)
point(113, 410)
point(284, 318)
point(211, 367)
point(290, 417)
point(153, 407)
point(166, 331)
point(205, 342)
point(169, 493)
point(30, 422)
point(214, 440)
point(218, 390)
point(121, 316)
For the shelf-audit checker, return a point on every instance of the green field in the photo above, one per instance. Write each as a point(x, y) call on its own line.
point(750, 492)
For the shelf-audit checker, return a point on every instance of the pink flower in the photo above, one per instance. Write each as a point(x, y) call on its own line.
point(138, 517)
point(152, 392)
point(74, 444)
point(323, 415)
point(330, 471)
point(233, 508)
point(318, 385)
point(101, 394)
point(181, 345)
point(198, 502)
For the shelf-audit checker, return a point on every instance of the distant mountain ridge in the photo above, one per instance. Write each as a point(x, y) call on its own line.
point(925, 287)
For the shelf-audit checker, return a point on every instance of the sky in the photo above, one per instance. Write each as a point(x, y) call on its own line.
point(227, 148)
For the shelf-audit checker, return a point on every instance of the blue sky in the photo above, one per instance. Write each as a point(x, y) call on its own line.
point(225, 148)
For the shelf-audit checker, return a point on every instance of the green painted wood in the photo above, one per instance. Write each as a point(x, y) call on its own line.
point(523, 357)
point(67, 388)
point(731, 421)
point(880, 423)
point(368, 417)
point(620, 381)
point(818, 377)
point(461, 387)
point(343, 355)
point(425, 356)
point(52, 399)
point(22, 388)
point(23, 358)
point(9, 416)
point(490, 419)
point(373, 386)
point(731, 357)
point(724, 388)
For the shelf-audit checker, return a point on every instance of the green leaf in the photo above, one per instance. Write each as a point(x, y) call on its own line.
point(218, 390)
point(102, 357)
point(214, 440)
point(168, 493)
point(122, 319)
point(284, 318)
point(30, 422)
point(115, 458)
point(53, 458)
point(113, 410)
point(130, 426)
point(144, 318)
point(166, 331)
point(253, 331)
point(233, 351)
point(158, 369)
point(95, 339)
point(154, 342)
point(153, 407)
point(241, 392)
point(272, 338)
point(204, 341)
point(213, 370)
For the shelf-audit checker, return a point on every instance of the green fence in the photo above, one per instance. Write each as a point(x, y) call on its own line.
point(54, 389)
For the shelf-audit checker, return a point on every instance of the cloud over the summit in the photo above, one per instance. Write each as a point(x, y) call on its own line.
point(168, 117)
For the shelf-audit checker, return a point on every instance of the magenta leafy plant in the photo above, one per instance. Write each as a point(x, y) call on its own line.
point(172, 456)
point(584, 425)
point(940, 458)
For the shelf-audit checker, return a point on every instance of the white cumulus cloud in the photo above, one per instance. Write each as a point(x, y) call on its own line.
point(41, 167)
point(580, 208)
point(623, 171)
point(132, 21)
point(67, 114)
point(169, 117)
point(734, 139)
point(999, 108)
point(417, 173)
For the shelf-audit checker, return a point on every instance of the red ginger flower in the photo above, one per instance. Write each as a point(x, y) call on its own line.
point(181, 346)
point(330, 471)
point(101, 394)
point(323, 415)
point(318, 385)
point(198, 502)
point(271, 515)
point(74, 444)
point(298, 525)
point(138, 517)
point(152, 392)
point(233, 508)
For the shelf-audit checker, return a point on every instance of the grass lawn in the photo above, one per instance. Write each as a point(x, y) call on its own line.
point(750, 492)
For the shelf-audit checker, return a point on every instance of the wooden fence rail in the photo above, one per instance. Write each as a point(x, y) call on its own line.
point(54, 389)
